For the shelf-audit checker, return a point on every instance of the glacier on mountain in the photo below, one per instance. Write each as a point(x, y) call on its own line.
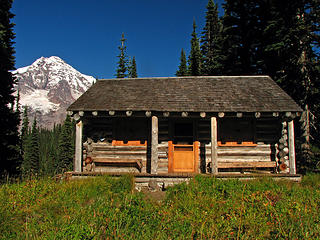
point(48, 86)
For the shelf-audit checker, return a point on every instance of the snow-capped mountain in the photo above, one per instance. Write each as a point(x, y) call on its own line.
point(48, 86)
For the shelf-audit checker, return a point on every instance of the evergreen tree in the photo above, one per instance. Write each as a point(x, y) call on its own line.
point(9, 136)
point(132, 68)
point(30, 164)
point(195, 54)
point(24, 130)
point(122, 63)
point(242, 37)
point(183, 68)
point(211, 41)
point(66, 146)
point(18, 104)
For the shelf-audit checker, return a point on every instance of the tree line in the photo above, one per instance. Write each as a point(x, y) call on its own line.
point(46, 152)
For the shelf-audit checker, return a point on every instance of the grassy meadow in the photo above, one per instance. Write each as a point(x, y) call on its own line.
point(206, 208)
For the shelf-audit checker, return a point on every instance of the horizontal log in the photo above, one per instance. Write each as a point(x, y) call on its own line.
point(105, 147)
point(257, 148)
point(116, 170)
point(247, 164)
point(130, 153)
point(242, 154)
point(243, 158)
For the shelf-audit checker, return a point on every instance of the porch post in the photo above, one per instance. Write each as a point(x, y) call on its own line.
point(78, 150)
point(292, 154)
point(154, 145)
point(214, 144)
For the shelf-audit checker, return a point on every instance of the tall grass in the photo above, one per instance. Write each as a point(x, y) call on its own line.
point(206, 208)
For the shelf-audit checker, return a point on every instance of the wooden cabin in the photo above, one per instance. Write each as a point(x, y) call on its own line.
point(233, 124)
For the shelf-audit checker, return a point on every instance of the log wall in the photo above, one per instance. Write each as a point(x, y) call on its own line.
point(267, 133)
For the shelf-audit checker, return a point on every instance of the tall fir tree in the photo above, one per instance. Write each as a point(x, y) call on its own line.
point(194, 68)
point(132, 68)
point(211, 42)
point(66, 146)
point(9, 136)
point(31, 157)
point(183, 68)
point(122, 70)
point(242, 37)
point(24, 128)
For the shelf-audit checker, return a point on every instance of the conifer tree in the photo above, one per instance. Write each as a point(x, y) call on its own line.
point(183, 68)
point(65, 147)
point(24, 129)
point(9, 136)
point(132, 68)
point(211, 41)
point(25, 123)
point(243, 26)
point(122, 63)
point(34, 148)
point(195, 54)
point(30, 164)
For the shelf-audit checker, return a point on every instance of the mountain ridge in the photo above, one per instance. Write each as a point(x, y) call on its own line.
point(48, 86)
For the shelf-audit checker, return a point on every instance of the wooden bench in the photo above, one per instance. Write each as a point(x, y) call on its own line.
point(137, 162)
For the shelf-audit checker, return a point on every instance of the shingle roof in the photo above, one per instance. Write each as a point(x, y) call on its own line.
point(192, 94)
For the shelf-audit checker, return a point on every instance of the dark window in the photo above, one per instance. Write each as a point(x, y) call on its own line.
point(183, 129)
point(236, 130)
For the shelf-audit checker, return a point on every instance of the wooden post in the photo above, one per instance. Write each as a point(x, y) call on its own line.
point(292, 154)
point(78, 150)
point(214, 146)
point(154, 145)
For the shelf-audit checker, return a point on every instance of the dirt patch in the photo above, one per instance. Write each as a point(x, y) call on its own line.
point(154, 196)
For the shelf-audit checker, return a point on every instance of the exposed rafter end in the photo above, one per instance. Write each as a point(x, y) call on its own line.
point(275, 114)
point(95, 113)
point(166, 114)
point(76, 116)
point(184, 114)
point(288, 114)
point(221, 114)
point(128, 113)
point(148, 113)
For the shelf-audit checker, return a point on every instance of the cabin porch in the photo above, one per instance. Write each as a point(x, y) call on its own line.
point(176, 144)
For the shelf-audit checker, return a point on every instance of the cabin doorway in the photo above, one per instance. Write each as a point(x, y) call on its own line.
point(183, 158)
point(183, 152)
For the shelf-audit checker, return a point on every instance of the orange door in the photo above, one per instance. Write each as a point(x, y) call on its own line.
point(183, 158)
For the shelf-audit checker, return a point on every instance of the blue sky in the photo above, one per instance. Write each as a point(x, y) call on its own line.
point(86, 34)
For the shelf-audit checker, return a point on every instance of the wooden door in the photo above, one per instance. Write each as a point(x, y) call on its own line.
point(183, 158)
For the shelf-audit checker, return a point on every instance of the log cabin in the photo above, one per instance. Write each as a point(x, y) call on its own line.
point(223, 124)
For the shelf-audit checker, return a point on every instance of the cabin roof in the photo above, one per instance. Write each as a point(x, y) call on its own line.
point(191, 94)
